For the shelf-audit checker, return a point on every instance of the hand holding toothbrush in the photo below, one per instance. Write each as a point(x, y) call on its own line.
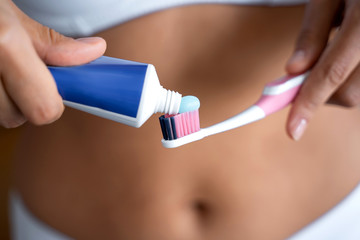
point(335, 74)
point(27, 89)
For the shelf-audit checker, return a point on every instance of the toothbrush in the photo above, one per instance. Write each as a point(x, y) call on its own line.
point(276, 96)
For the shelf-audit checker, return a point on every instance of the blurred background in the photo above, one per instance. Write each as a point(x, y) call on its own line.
point(7, 144)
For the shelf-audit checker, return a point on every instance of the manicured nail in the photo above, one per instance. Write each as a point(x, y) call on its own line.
point(88, 39)
point(299, 129)
point(298, 56)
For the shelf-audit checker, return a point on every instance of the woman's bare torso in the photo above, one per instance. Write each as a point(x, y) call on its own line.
point(96, 179)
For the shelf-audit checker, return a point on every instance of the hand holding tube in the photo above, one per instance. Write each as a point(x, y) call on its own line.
point(27, 89)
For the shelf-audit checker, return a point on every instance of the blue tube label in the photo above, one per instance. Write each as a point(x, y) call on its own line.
point(107, 83)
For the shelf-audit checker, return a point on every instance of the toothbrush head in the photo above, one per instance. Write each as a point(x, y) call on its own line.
point(175, 127)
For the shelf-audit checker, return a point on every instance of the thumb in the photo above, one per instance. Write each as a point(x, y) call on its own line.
point(59, 50)
point(56, 49)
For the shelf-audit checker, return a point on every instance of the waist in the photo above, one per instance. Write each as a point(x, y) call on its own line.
point(341, 222)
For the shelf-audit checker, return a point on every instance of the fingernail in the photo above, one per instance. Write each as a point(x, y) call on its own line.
point(88, 39)
point(299, 129)
point(298, 56)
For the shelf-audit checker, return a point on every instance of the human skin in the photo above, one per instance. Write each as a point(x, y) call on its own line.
point(335, 69)
point(27, 90)
point(96, 179)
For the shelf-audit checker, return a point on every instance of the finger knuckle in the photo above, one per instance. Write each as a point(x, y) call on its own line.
point(310, 104)
point(334, 74)
point(47, 38)
point(307, 37)
point(45, 113)
point(12, 123)
point(52, 36)
point(6, 38)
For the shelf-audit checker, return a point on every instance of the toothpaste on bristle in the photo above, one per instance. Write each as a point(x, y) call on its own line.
point(189, 104)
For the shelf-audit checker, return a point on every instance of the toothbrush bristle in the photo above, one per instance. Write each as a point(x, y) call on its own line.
point(179, 125)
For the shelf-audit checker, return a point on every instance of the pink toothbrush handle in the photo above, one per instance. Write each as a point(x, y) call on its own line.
point(280, 93)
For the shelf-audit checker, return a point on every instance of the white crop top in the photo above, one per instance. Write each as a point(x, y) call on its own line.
point(84, 17)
